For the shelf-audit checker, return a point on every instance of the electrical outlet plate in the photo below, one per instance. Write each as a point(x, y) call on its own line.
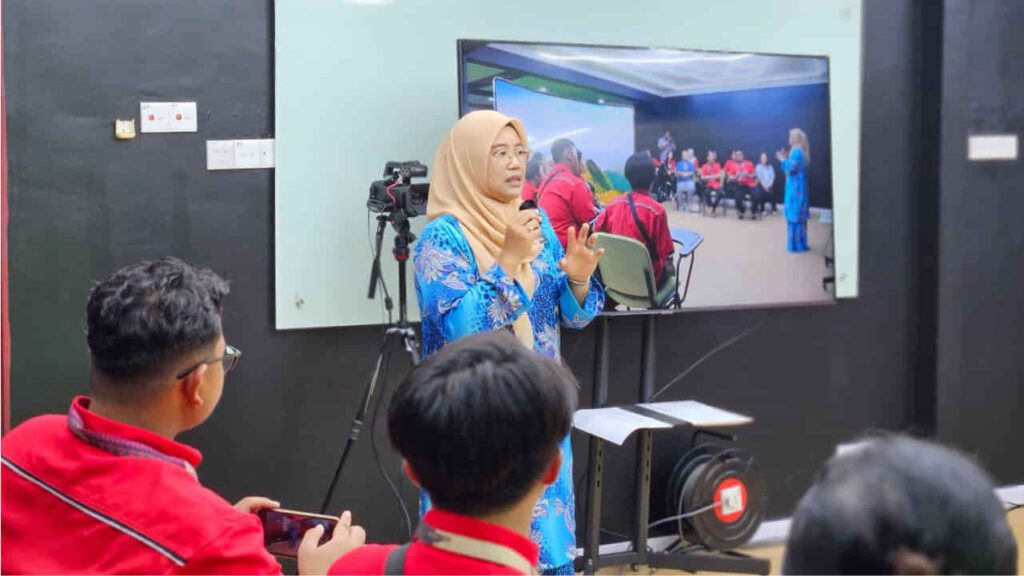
point(164, 117)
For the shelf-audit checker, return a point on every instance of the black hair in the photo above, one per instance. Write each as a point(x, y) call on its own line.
point(558, 149)
point(897, 505)
point(640, 171)
point(533, 167)
point(147, 315)
point(480, 421)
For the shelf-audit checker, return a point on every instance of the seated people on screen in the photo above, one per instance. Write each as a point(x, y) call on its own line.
point(563, 195)
point(649, 223)
point(765, 173)
point(478, 426)
point(685, 184)
point(746, 189)
point(105, 488)
point(899, 505)
point(535, 171)
point(712, 177)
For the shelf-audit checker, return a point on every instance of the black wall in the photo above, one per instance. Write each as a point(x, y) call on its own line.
point(83, 204)
point(980, 313)
point(754, 121)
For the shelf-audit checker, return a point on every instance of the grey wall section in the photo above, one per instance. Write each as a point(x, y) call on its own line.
point(981, 258)
point(83, 204)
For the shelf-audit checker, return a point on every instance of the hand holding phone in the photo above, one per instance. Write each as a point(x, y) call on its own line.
point(283, 529)
point(317, 558)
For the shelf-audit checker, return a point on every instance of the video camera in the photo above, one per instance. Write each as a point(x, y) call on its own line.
point(396, 195)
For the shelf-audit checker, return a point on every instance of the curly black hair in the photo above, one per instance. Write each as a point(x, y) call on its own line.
point(146, 315)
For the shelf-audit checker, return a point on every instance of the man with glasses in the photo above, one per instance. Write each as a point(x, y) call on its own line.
point(105, 488)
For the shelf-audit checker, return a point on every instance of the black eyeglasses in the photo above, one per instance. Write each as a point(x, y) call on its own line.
point(230, 360)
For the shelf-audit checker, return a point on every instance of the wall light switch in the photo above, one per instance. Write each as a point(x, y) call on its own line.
point(155, 116)
point(181, 117)
point(247, 154)
point(220, 154)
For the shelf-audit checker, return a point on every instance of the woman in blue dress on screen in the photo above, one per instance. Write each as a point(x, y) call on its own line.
point(483, 264)
point(795, 206)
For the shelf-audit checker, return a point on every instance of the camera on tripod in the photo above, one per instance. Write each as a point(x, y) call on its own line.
point(396, 195)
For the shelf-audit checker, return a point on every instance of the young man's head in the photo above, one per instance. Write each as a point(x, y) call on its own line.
point(563, 151)
point(712, 156)
point(479, 424)
point(739, 156)
point(901, 506)
point(640, 171)
point(155, 337)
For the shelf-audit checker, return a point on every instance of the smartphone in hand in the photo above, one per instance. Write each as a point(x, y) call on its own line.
point(283, 529)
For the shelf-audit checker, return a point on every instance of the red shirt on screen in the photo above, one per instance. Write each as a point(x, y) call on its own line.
point(529, 191)
point(748, 179)
point(85, 494)
point(422, 558)
point(567, 201)
point(732, 168)
point(712, 170)
point(617, 218)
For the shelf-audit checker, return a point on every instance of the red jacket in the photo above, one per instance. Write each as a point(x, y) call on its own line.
point(425, 559)
point(567, 201)
point(617, 218)
point(85, 494)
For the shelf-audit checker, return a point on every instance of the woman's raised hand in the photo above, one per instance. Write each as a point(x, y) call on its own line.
point(523, 241)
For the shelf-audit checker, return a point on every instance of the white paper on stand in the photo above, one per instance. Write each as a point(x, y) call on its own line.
point(699, 414)
point(613, 424)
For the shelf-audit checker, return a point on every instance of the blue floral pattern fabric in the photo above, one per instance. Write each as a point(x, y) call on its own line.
point(457, 300)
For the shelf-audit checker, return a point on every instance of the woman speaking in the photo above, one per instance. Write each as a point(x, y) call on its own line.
point(483, 264)
point(795, 205)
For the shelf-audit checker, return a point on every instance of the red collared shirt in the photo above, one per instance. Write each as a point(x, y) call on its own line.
point(748, 179)
point(712, 170)
point(425, 559)
point(617, 218)
point(85, 494)
point(567, 201)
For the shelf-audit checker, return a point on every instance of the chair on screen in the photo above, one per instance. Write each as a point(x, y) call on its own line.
point(628, 275)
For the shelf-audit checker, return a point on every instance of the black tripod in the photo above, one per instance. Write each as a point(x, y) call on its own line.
point(395, 333)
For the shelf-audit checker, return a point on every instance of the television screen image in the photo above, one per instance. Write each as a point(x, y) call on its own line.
point(710, 172)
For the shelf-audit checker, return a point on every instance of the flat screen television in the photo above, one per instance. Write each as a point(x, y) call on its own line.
point(737, 243)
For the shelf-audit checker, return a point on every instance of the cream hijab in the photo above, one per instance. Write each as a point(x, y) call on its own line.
point(459, 188)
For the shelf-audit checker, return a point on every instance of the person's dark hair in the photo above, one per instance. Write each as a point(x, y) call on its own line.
point(480, 421)
point(897, 505)
point(640, 171)
point(558, 149)
point(534, 167)
point(147, 315)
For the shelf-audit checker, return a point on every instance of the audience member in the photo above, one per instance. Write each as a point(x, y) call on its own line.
point(685, 185)
point(105, 488)
point(712, 178)
point(746, 187)
point(478, 426)
point(563, 195)
point(666, 147)
point(535, 171)
point(898, 505)
point(766, 181)
point(638, 216)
